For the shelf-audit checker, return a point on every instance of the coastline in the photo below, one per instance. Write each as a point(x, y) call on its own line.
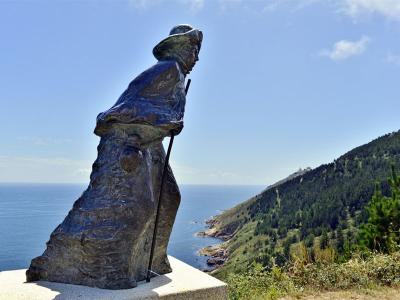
point(217, 254)
point(46, 204)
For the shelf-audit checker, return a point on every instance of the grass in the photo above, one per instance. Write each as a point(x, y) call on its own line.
point(381, 293)
point(299, 278)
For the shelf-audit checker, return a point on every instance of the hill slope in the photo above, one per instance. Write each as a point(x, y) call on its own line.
point(321, 207)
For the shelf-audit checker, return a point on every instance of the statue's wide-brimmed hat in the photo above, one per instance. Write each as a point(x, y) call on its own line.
point(180, 36)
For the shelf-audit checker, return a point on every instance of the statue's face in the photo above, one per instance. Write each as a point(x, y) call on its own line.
point(192, 58)
point(188, 58)
point(183, 45)
point(185, 54)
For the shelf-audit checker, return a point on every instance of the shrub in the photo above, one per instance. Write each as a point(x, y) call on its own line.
point(324, 256)
point(381, 232)
point(361, 271)
point(259, 284)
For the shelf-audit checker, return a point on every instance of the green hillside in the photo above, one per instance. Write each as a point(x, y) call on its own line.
point(320, 208)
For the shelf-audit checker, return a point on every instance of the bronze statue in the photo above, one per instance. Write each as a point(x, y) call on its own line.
point(105, 239)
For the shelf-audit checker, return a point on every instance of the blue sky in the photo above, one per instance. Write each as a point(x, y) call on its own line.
point(279, 85)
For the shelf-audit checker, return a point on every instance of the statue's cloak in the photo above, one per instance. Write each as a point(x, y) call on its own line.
point(105, 239)
point(154, 99)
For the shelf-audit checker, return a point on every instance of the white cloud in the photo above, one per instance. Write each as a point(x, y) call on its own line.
point(43, 169)
point(194, 5)
point(393, 59)
point(83, 172)
point(344, 49)
point(229, 4)
point(185, 174)
point(356, 8)
point(271, 6)
point(143, 4)
point(353, 8)
point(43, 141)
point(293, 5)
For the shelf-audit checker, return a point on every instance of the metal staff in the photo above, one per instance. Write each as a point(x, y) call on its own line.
point(153, 242)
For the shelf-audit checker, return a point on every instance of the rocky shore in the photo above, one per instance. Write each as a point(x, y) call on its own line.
point(218, 254)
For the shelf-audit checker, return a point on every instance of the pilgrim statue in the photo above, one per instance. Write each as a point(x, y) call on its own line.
point(105, 239)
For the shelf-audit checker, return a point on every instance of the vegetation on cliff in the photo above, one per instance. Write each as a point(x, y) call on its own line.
point(371, 262)
point(302, 277)
point(319, 211)
point(382, 230)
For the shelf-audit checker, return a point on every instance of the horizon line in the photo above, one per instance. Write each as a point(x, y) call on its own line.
point(83, 183)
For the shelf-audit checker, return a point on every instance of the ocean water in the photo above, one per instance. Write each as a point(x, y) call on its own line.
point(30, 212)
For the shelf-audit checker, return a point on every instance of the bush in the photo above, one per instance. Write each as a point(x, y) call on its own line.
point(358, 272)
point(366, 271)
point(324, 256)
point(259, 284)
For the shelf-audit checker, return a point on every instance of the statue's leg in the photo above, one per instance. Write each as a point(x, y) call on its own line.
point(169, 205)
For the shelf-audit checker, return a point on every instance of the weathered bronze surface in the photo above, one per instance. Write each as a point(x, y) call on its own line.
point(105, 239)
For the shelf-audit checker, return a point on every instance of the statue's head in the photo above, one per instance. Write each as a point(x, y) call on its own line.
point(183, 45)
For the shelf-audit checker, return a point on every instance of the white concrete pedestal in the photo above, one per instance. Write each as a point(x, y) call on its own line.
point(184, 283)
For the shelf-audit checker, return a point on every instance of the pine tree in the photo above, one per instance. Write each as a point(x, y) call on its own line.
point(382, 231)
point(340, 241)
point(324, 240)
point(286, 248)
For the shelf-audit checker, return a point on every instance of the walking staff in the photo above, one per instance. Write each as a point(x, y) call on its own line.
point(153, 242)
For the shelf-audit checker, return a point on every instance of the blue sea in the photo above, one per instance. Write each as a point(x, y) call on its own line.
point(30, 212)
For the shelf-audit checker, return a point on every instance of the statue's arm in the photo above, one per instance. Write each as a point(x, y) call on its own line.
point(167, 94)
point(156, 98)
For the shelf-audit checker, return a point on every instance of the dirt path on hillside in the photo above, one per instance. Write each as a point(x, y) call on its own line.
point(380, 293)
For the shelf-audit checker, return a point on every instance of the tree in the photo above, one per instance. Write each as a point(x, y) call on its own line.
point(340, 241)
point(309, 240)
point(286, 248)
point(280, 259)
point(382, 230)
point(324, 240)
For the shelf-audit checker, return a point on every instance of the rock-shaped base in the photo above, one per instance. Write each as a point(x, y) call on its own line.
point(183, 283)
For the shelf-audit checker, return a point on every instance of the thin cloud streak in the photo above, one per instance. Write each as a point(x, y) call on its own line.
point(43, 169)
point(393, 59)
point(345, 49)
point(189, 175)
point(357, 8)
point(143, 5)
point(193, 5)
point(43, 141)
